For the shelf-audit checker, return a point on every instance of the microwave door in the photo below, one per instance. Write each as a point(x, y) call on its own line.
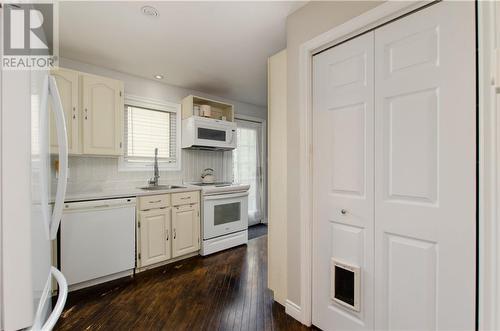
point(215, 136)
point(208, 136)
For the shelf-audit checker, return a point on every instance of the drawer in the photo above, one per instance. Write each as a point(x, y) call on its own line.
point(185, 198)
point(154, 201)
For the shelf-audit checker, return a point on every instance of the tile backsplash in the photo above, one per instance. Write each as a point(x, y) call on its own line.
point(96, 174)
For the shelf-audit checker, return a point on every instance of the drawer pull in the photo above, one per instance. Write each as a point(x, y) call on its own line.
point(156, 201)
point(185, 198)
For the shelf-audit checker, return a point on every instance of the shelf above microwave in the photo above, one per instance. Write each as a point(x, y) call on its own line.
point(218, 110)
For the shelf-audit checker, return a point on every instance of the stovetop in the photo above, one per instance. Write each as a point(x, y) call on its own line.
point(221, 187)
point(216, 184)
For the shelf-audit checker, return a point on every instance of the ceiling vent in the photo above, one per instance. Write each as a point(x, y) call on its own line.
point(150, 11)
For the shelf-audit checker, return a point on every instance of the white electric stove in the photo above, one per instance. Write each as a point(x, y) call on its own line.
point(224, 216)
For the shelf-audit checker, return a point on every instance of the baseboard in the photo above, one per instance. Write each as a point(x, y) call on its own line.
point(100, 280)
point(294, 310)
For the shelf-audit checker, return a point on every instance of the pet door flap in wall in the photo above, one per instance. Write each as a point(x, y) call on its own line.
point(345, 284)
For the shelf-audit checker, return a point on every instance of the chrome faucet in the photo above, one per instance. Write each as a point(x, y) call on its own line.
point(156, 174)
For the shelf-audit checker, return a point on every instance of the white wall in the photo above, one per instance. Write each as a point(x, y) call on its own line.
point(302, 25)
point(90, 174)
point(277, 193)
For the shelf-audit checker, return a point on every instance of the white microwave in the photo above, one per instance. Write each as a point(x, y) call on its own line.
point(208, 133)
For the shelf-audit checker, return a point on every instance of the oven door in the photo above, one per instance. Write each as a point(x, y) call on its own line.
point(215, 136)
point(224, 214)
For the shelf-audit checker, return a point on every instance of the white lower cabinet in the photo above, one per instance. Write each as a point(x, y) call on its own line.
point(165, 232)
point(186, 229)
point(155, 236)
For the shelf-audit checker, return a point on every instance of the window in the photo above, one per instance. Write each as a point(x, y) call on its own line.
point(247, 165)
point(150, 124)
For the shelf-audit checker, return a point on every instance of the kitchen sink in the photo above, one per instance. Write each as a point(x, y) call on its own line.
point(160, 187)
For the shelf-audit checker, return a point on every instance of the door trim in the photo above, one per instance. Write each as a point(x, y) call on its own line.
point(367, 21)
point(488, 291)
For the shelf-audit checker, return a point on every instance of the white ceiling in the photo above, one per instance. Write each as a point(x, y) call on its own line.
point(219, 48)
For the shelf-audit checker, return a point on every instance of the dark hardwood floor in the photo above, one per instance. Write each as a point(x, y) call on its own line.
point(223, 291)
point(257, 230)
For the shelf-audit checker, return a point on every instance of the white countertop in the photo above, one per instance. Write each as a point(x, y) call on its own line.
point(127, 192)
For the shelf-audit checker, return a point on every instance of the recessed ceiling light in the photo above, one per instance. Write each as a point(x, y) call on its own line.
point(159, 76)
point(150, 11)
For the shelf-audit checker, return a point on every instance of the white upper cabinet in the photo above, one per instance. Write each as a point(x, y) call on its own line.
point(67, 83)
point(102, 106)
point(93, 107)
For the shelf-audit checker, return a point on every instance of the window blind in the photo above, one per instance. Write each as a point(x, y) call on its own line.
point(147, 129)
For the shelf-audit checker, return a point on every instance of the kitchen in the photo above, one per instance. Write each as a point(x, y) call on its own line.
point(261, 165)
point(175, 161)
point(143, 174)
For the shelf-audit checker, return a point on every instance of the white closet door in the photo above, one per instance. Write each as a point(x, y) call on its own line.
point(343, 179)
point(425, 224)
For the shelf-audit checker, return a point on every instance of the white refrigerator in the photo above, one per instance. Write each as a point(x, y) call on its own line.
point(29, 219)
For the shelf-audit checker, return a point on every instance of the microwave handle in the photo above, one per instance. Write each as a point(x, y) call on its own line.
point(233, 136)
point(225, 196)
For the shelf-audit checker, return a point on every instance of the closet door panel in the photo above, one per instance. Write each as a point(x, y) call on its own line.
point(425, 145)
point(343, 180)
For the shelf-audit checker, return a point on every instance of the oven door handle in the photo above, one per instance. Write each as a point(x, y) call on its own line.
point(225, 196)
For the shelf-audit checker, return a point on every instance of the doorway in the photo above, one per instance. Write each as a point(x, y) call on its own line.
point(248, 165)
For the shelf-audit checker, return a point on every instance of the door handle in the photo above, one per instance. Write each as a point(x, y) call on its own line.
point(61, 299)
point(62, 139)
point(343, 212)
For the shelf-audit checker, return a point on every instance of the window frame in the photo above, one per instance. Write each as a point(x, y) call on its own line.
point(155, 105)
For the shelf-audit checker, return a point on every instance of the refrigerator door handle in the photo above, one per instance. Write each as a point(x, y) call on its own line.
point(44, 156)
point(62, 140)
point(61, 300)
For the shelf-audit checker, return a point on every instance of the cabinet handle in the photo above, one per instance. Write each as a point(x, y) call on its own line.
point(175, 235)
point(156, 201)
point(86, 113)
point(167, 235)
point(185, 198)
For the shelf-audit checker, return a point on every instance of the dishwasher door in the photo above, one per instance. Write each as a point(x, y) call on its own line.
point(97, 239)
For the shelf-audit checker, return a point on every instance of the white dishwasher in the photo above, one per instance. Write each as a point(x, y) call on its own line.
point(97, 241)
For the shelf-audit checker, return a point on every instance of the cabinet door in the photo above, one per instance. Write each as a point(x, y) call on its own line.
point(155, 236)
point(185, 229)
point(67, 83)
point(102, 100)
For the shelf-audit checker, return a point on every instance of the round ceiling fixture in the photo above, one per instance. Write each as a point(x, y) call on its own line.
point(158, 76)
point(150, 11)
